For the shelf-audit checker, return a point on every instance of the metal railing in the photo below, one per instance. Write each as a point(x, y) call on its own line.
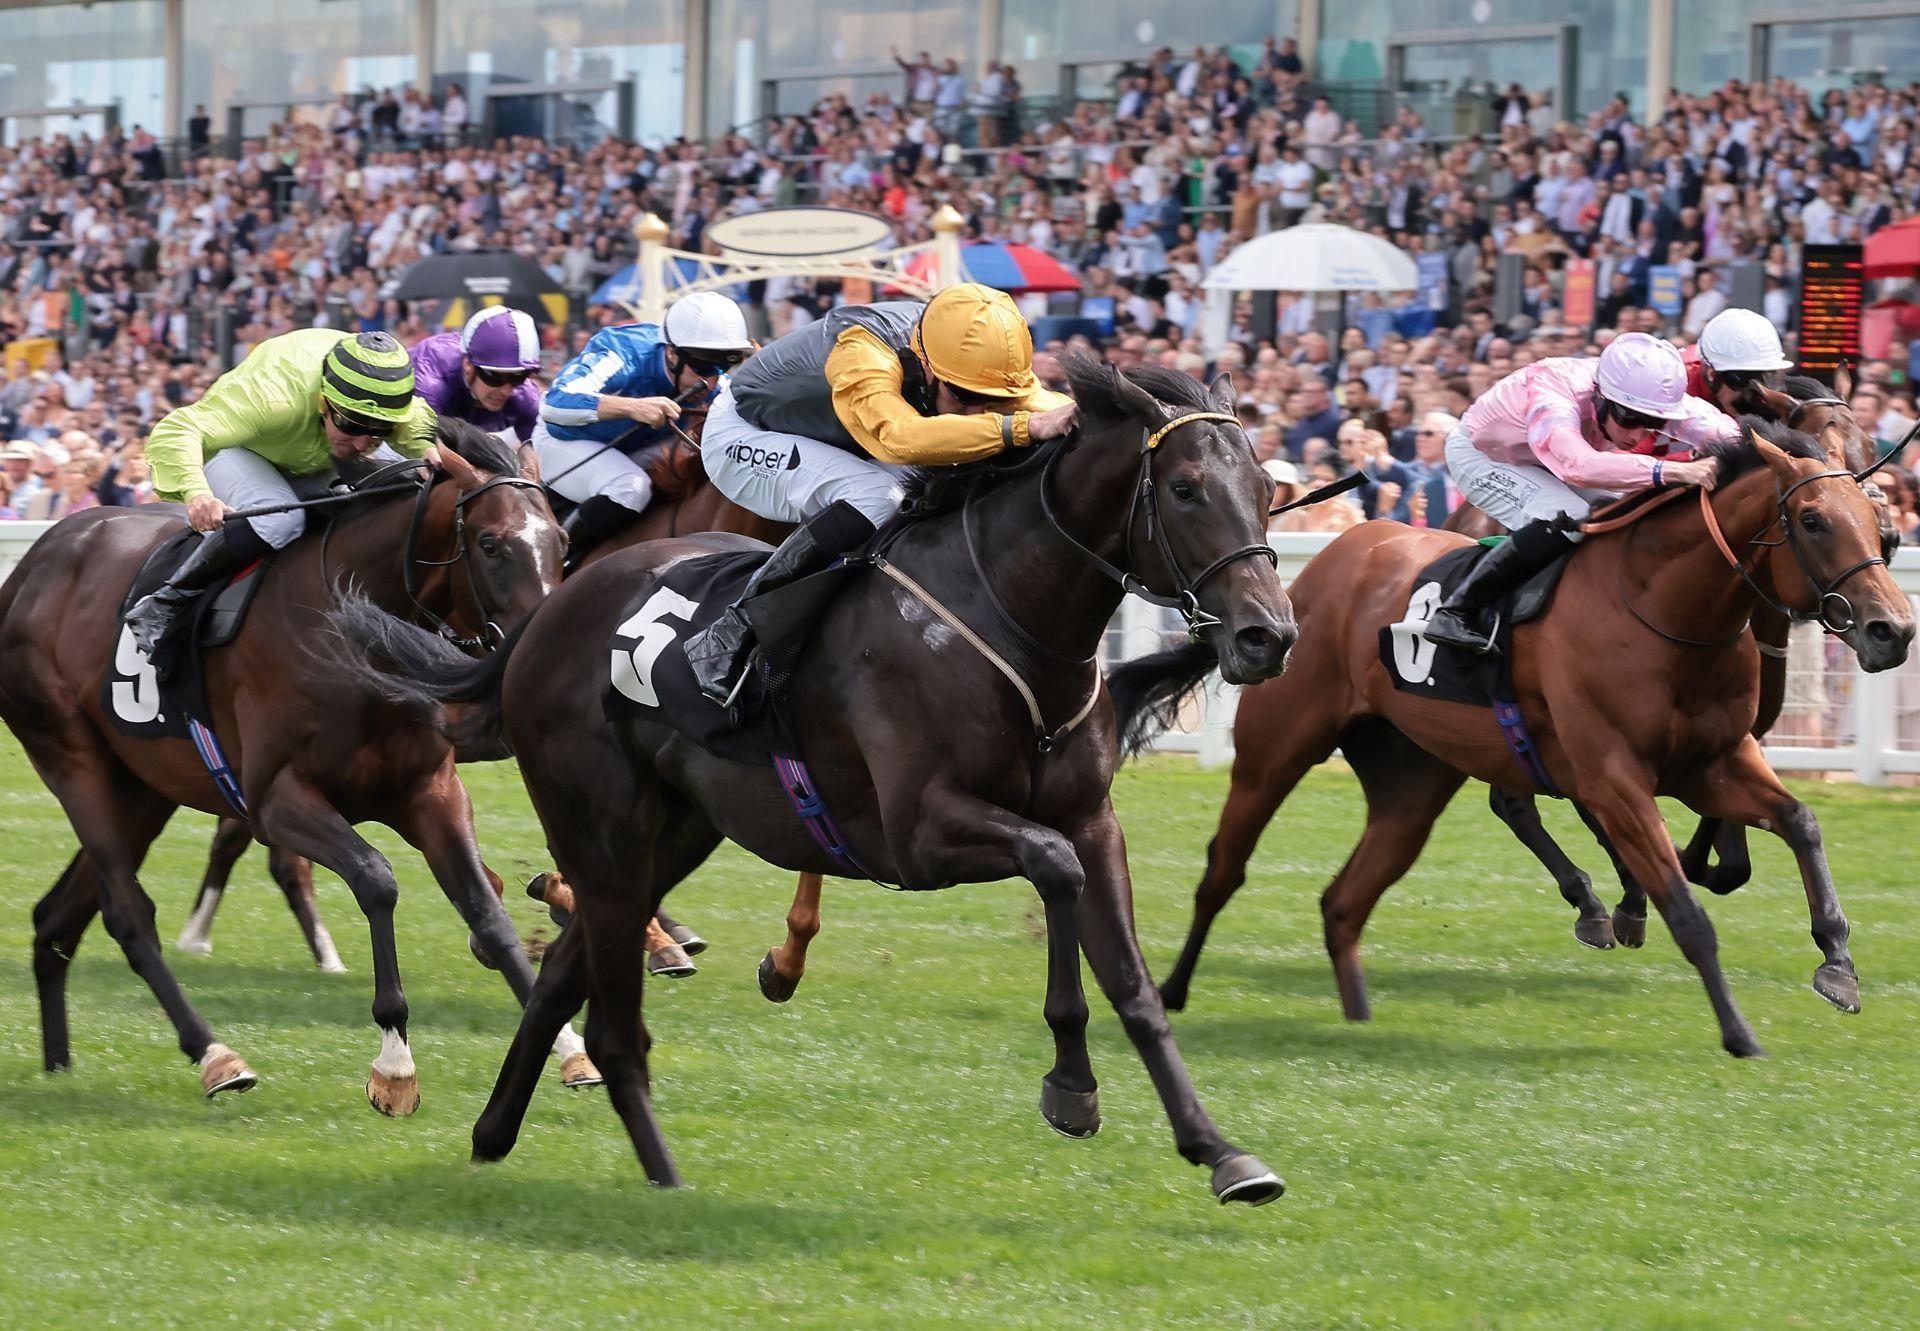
point(1837, 718)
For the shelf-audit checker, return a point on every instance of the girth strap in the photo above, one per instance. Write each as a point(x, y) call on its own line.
point(1043, 737)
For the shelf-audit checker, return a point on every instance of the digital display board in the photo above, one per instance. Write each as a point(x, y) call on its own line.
point(1833, 281)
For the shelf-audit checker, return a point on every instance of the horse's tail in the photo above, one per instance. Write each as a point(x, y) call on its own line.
point(1148, 691)
point(421, 671)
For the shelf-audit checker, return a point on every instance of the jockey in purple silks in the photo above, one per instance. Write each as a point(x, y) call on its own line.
point(483, 374)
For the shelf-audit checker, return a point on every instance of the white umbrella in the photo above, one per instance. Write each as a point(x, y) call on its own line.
point(1315, 257)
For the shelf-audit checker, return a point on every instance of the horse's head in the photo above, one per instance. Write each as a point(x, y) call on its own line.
point(1826, 561)
point(503, 546)
point(1199, 518)
point(1829, 418)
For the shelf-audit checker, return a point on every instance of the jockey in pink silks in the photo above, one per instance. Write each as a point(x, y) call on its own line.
point(1544, 445)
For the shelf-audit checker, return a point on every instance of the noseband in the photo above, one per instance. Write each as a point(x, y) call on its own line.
point(1145, 496)
point(490, 635)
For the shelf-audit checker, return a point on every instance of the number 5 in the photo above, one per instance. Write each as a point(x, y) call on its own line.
point(633, 669)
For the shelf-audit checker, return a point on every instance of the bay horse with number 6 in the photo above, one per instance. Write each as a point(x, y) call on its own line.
point(1639, 680)
point(937, 768)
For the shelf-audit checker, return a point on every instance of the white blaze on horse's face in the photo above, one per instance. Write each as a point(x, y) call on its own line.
point(543, 557)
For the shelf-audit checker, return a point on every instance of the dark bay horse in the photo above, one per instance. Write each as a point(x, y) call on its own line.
point(1806, 405)
point(312, 757)
point(938, 770)
point(703, 508)
point(1640, 680)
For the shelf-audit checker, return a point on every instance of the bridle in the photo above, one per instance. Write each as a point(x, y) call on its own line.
point(1830, 595)
point(1146, 497)
point(491, 635)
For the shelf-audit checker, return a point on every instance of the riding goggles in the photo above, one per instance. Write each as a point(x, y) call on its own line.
point(710, 364)
point(360, 427)
point(501, 378)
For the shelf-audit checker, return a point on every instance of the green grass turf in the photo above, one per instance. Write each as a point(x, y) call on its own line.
point(1528, 1135)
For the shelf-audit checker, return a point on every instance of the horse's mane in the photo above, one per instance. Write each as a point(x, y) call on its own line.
point(489, 452)
point(1804, 388)
point(1740, 457)
point(930, 491)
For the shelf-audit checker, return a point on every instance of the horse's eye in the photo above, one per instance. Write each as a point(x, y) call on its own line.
point(1184, 490)
point(1812, 521)
point(489, 546)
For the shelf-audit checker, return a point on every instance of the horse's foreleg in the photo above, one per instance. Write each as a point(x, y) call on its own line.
point(231, 837)
point(294, 816)
point(560, 991)
point(439, 823)
point(1743, 787)
point(781, 968)
point(961, 838)
point(1521, 813)
point(1729, 839)
point(1630, 916)
point(1113, 951)
point(1633, 824)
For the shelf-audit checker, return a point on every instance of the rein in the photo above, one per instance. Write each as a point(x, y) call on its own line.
point(1186, 600)
point(1829, 590)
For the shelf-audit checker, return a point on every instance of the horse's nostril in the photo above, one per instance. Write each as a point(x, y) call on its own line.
point(1260, 643)
point(1880, 630)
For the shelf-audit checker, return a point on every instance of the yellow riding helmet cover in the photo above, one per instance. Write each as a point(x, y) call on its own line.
point(974, 337)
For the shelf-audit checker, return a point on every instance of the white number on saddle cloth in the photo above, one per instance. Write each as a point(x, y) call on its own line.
point(136, 693)
point(633, 666)
point(1412, 653)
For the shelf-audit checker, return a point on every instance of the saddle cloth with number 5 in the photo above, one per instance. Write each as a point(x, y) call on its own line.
point(648, 674)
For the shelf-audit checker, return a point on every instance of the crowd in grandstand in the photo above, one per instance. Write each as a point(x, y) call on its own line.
point(132, 272)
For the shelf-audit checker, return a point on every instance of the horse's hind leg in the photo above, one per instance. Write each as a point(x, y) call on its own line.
point(294, 875)
point(781, 968)
point(293, 815)
point(1521, 813)
point(1725, 838)
point(1266, 768)
point(230, 841)
point(1407, 789)
point(59, 920)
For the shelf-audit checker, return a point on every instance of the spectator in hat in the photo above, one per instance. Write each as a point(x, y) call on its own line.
point(17, 464)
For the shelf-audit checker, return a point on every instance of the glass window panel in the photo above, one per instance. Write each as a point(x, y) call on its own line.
point(1713, 43)
point(57, 55)
point(300, 50)
point(1612, 44)
point(495, 43)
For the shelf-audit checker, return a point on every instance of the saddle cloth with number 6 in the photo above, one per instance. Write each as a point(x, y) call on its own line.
point(1426, 668)
point(648, 674)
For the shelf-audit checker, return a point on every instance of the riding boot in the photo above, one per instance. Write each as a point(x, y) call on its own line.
point(592, 524)
point(155, 617)
point(719, 652)
point(1503, 569)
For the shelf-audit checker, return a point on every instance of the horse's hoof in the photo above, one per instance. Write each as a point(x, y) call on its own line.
point(671, 962)
point(479, 953)
point(1242, 1178)
point(1173, 997)
point(332, 966)
point(1744, 1046)
point(487, 1151)
point(557, 898)
point(690, 942)
point(1069, 1113)
point(1596, 934)
point(577, 1072)
point(775, 987)
point(223, 1070)
point(396, 1097)
point(194, 943)
point(1629, 930)
point(1839, 986)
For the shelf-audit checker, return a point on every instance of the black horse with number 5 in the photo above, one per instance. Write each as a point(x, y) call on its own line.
point(947, 758)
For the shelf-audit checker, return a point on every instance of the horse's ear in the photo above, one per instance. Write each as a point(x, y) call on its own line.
point(1843, 383)
point(457, 468)
point(1221, 391)
point(1774, 456)
point(529, 463)
point(1779, 405)
point(1138, 403)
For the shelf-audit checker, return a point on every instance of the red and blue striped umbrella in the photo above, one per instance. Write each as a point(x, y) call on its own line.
point(1008, 267)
